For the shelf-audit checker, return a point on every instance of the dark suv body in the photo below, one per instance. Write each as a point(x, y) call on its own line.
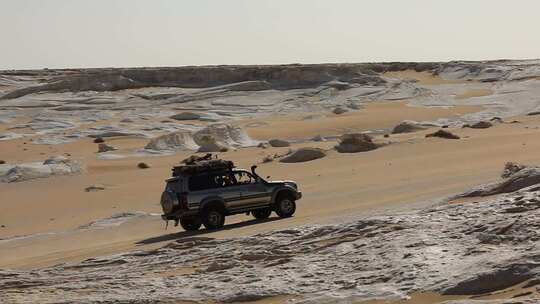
point(205, 194)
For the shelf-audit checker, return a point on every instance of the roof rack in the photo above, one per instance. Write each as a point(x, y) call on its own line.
point(199, 165)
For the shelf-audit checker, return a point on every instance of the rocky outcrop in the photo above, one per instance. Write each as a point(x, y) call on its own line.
point(356, 142)
point(212, 138)
point(182, 140)
point(519, 179)
point(58, 165)
point(209, 143)
point(511, 168)
point(225, 135)
point(233, 78)
point(303, 155)
point(494, 280)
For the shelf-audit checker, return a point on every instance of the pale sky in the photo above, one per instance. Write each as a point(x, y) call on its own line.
point(125, 33)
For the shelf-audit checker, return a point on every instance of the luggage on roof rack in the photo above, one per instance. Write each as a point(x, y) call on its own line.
point(203, 166)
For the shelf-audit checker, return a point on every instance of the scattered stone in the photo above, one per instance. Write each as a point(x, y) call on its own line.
point(408, 126)
point(55, 160)
point(186, 116)
point(2, 162)
point(354, 106)
point(496, 119)
point(386, 135)
point(94, 188)
point(263, 145)
point(340, 110)
point(534, 113)
point(443, 134)
point(479, 125)
point(355, 142)
point(117, 134)
point(103, 147)
point(304, 155)
point(143, 165)
point(278, 143)
point(339, 85)
point(2, 226)
point(318, 138)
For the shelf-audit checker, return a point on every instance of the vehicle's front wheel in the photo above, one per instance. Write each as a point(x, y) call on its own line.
point(285, 206)
point(213, 218)
point(261, 213)
point(191, 223)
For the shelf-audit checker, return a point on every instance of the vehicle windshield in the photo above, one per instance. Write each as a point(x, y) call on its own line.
point(212, 181)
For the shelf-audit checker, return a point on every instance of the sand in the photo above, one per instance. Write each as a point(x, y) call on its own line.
point(425, 78)
point(362, 182)
point(375, 116)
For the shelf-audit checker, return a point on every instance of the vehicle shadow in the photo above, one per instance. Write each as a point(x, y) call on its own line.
point(185, 234)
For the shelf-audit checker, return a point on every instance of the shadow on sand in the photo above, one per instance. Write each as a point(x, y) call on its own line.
point(185, 234)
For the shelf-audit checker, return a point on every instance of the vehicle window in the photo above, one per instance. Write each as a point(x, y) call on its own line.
point(243, 178)
point(202, 182)
point(224, 180)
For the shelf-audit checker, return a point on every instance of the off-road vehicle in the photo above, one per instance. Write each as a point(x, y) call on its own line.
point(203, 191)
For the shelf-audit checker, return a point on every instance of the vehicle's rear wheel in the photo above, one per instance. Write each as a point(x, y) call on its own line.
point(191, 223)
point(285, 205)
point(213, 217)
point(261, 213)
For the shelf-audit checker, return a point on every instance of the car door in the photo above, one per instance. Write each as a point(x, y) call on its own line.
point(214, 185)
point(254, 193)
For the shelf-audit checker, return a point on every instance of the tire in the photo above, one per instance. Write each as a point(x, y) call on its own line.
point(213, 217)
point(261, 213)
point(285, 205)
point(191, 223)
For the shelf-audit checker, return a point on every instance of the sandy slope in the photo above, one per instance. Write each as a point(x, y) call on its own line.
point(337, 186)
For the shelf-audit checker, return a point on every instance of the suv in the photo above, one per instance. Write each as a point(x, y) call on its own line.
point(203, 192)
